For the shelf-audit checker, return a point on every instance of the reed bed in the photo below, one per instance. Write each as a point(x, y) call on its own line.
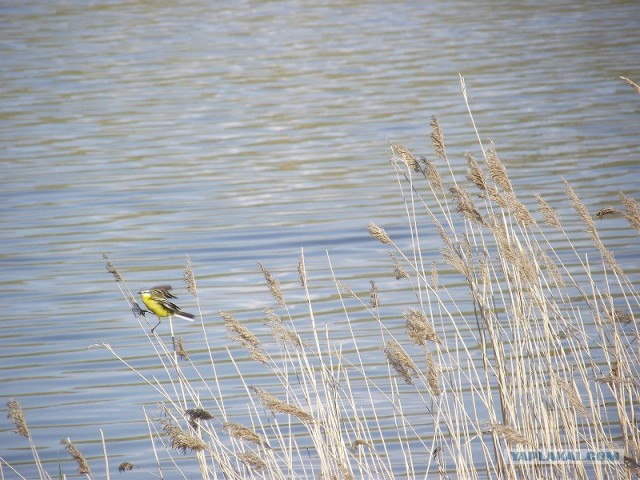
point(512, 343)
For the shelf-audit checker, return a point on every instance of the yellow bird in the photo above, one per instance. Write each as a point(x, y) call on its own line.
point(157, 301)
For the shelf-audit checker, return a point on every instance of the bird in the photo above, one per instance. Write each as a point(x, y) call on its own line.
point(157, 301)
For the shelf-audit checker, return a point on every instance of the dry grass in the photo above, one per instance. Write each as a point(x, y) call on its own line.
point(513, 342)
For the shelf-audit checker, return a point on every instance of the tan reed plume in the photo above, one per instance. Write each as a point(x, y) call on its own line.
point(83, 465)
point(511, 435)
point(180, 439)
point(548, 212)
point(406, 156)
point(16, 416)
point(431, 173)
point(274, 286)
point(275, 405)
point(433, 374)
point(437, 138)
point(497, 169)
point(398, 271)
point(242, 335)
point(419, 329)
point(378, 233)
point(466, 207)
point(244, 433)
point(631, 211)
point(399, 360)
point(281, 332)
point(252, 461)
point(190, 278)
point(111, 268)
point(474, 173)
point(374, 299)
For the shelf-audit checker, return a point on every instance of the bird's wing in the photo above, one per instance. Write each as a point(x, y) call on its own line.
point(164, 290)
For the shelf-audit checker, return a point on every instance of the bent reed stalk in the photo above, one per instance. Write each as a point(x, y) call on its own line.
point(537, 351)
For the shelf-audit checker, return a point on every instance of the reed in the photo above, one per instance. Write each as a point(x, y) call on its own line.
point(514, 343)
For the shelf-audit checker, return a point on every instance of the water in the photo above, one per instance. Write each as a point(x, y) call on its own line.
point(239, 132)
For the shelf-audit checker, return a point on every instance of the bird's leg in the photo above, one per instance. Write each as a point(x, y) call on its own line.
point(159, 322)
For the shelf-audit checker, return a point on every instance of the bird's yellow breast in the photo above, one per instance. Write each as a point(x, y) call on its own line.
point(155, 306)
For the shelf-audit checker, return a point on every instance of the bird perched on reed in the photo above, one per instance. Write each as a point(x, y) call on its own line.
point(157, 301)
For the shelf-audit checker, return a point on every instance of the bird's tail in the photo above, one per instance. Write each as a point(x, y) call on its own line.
point(186, 316)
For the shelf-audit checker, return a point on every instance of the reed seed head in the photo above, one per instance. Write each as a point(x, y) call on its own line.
point(180, 350)
point(437, 138)
point(241, 432)
point(190, 278)
point(433, 375)
point(358, 443)
point(466, 207)
point(399, 272)
point(242, 335)
point(431, 173)
point(608, 212)
point(16, 416)
point(631, 211)
point(497, 170)
point(374, 300)
point(302, 272)
point(180, 439)
point(379, 234)
point(111, 268)
point(406, 156)
point(400, 361)
point(252, 461)
point(548, 213)
point(419, 329)
point(274, 286)
point(83, 465)
point(275, 405)
point(281, 332)
point(474, 173)
point(510, 435)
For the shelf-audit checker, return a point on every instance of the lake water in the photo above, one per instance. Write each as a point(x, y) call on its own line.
point(241, 132)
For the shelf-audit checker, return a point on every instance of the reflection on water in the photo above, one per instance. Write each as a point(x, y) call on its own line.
point(241, 132)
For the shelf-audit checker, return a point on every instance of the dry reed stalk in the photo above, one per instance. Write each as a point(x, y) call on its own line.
point(437, 138)
point(374, 299)
point(83, 465)
point(548, 213)
point(242, 335)
point(631, 211)
point(241, 432)
point(275, 405)
point(379, 234)
point(398, 271)
point(465, 204)
point(420, 330)
point(182, 440)
point(190, 278)
point(16, 416)
point(281, 332)
point(252, 461)
point(406, 156)
point(633, 84)
point(274, 286)
point(497, 170)
point(400, 361)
